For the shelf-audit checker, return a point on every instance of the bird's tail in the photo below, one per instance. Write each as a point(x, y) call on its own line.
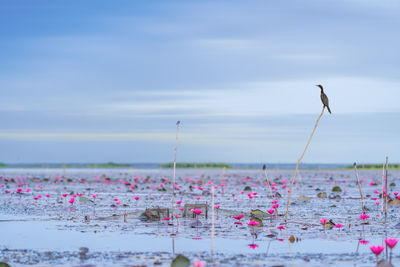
point(329, 109)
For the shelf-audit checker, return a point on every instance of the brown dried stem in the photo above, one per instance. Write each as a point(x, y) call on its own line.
point(298, 162)
point(359, 188)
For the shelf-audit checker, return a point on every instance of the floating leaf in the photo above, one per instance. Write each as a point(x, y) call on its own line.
point(322, 195)
point(304, 198)
point(84, 199)
point(336, 189)
point(180, 261)
point(394, 202)
point(247, 188)
point(258, 214)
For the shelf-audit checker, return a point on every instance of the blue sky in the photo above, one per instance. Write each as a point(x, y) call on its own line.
point(96, 81)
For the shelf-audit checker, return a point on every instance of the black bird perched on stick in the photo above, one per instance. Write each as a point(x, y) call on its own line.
point(324, 98)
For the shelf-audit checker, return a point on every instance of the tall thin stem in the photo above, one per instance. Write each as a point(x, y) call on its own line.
point(174, 173)
point(386, 187)
point(359, 188)
point(212, 218)
point(383, 186)
point(268, 183)
point(298, 162)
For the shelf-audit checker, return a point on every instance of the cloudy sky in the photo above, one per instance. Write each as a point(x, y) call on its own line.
point(96, 81)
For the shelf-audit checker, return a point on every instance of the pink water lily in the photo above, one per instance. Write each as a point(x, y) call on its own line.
point(271, 211)
point(197, 212)
point(376, 250)
point(238, 217)
point(253, 223)
point(391, 242)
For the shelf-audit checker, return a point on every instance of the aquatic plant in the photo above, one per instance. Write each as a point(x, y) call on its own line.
point(298, 163)
point(174, 171)
point(376, 250)
point(391, 243)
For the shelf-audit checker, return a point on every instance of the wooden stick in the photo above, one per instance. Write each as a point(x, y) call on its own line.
point(174, 174)
point(268, 183)
point(359, 188)
point(386, 186)
point(383, 186)
point(212, 219)
point(298, 162)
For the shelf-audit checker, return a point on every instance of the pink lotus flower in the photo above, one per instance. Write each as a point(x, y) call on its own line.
point(47, 195)
point(339, 225)
point(217, 206)
point(197, 211)
point(179, 202)
point(377, 250)
point(281, 227)
point(94, 196)
point(136, 197)
point(323, 221)
point(238, 217)
point(395, 193)
point(271, 211)
point(198, 264)
point(253, 246)
point(72, 200)
point(253, 223)
point(364, 217)
point(166, 219)
point(391, 242)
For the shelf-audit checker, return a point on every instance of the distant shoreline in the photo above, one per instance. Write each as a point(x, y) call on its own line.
point(192, 165)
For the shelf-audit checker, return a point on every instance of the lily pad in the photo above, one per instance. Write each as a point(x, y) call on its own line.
point(247, 188)
point(322, 195)
point(258, 214)
point(180, 261)
point(336, 189)
point(84, 199)
point(304, 198)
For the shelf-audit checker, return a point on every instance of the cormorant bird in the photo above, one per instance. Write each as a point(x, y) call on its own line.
point(324, 98)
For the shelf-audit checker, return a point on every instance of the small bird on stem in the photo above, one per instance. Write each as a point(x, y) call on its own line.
point(324, 98)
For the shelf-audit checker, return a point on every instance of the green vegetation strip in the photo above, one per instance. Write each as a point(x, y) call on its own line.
point(375, 166)
point(196, 165)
